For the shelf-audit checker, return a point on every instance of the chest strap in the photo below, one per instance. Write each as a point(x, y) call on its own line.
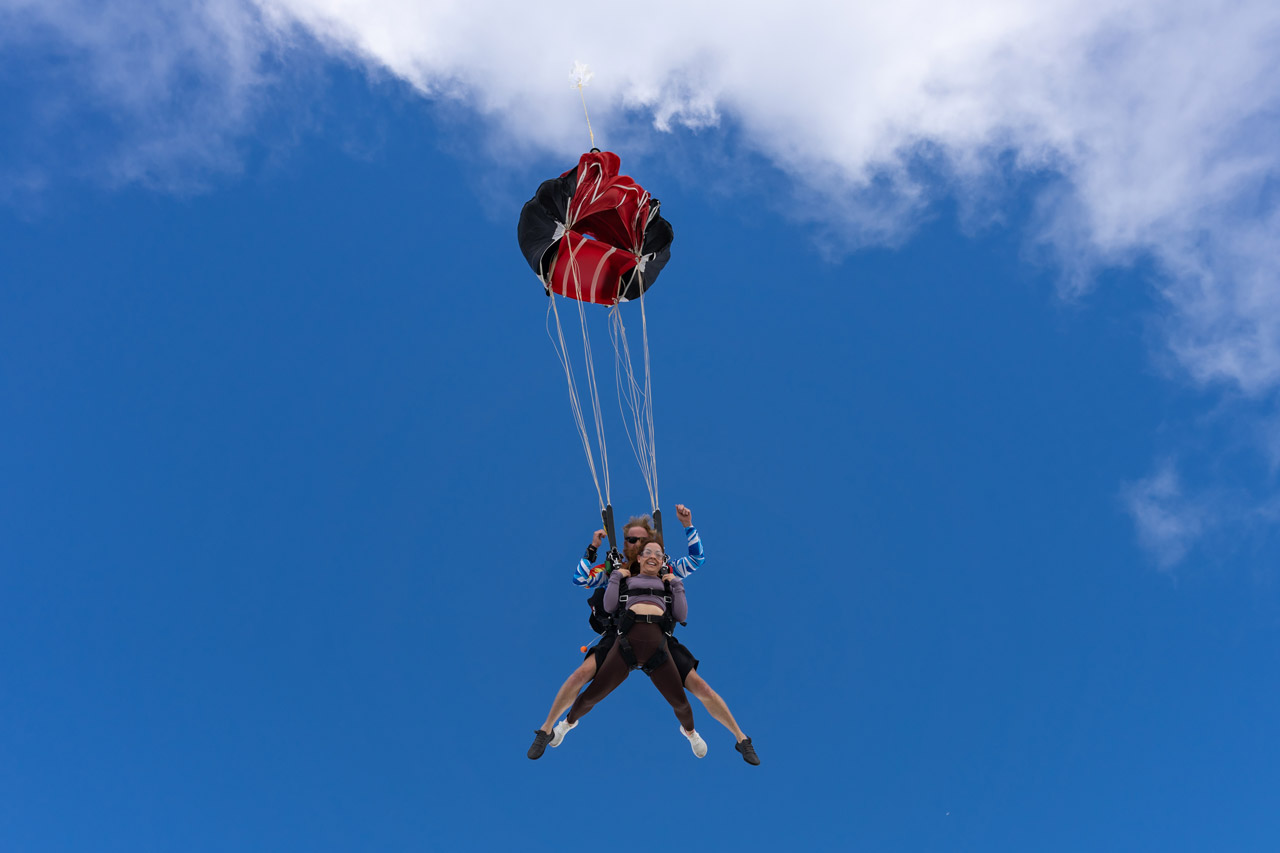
point(665, 593)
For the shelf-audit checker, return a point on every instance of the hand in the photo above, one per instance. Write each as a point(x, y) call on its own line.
point(685, 515)
point(597, 538)
point(623, 572)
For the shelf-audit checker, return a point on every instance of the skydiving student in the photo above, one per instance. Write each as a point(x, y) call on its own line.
point(652, 606)
point(595, 577)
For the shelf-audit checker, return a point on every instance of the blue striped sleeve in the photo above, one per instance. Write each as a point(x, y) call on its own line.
point(588, 576)
point(686, 566)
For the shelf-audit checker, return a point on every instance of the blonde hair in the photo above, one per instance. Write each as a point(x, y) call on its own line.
point(639, 521)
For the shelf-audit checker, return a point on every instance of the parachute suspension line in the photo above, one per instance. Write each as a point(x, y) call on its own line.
point(591, 379)
point(590, 132)
point(639, 400)
point(580, 76)
point(648, 408)
point(589, 361)
point(562, 352)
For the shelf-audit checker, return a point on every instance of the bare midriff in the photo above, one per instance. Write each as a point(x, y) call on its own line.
point(644, 608)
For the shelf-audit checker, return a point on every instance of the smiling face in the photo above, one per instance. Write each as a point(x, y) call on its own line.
point(652, 557)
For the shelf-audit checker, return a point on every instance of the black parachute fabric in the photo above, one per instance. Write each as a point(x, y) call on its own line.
point(595, 235)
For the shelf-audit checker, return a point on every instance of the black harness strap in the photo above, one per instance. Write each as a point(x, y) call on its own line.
point(625, 622)
point(600, 619)
point(665, 595)
point(657, 659)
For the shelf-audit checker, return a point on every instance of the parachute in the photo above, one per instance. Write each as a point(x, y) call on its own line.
point(595, 236)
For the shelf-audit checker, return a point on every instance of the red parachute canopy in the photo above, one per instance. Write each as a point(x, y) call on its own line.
point(593, 234)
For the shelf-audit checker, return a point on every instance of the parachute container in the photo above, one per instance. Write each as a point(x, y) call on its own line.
point(593, 234)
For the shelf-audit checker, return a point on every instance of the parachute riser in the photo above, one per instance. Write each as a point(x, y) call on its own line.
point(657, 526)
point(613, 558)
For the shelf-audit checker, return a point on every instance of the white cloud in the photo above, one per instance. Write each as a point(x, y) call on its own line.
point(1168, 523)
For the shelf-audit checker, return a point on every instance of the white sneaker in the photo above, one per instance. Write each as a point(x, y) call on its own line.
point(562, 728)
point(696, 742)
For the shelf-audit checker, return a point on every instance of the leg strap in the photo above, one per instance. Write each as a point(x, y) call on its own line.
point(628, 654)
point(658, 659)
point(625, 621)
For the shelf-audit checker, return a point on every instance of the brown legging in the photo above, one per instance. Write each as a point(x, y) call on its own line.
point(645, 638)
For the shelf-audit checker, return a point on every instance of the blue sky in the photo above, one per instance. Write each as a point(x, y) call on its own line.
point(981, 443)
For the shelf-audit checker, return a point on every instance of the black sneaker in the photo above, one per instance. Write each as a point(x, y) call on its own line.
point(744, 746)
point(541, 739)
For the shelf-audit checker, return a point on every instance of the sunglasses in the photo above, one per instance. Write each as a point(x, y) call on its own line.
point(631, 540)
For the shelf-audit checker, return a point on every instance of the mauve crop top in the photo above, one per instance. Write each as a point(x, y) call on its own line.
point(636, 586)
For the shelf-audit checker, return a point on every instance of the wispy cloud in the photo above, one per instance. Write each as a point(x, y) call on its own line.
point(1167, 521)
point(153, 93)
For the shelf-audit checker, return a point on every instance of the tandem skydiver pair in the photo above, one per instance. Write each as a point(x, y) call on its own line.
point(634, 607)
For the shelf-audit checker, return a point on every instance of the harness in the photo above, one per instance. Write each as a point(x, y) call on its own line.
point(601, 620)
point(666, 621)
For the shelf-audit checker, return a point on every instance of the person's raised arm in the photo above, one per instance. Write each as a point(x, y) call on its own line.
point(588, 575)
point(686, 566)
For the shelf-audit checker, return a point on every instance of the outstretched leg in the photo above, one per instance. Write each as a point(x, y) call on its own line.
point(711, 700)
point(612, 673)
point(569, 691)
point(646, 639)
point(667, 679)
